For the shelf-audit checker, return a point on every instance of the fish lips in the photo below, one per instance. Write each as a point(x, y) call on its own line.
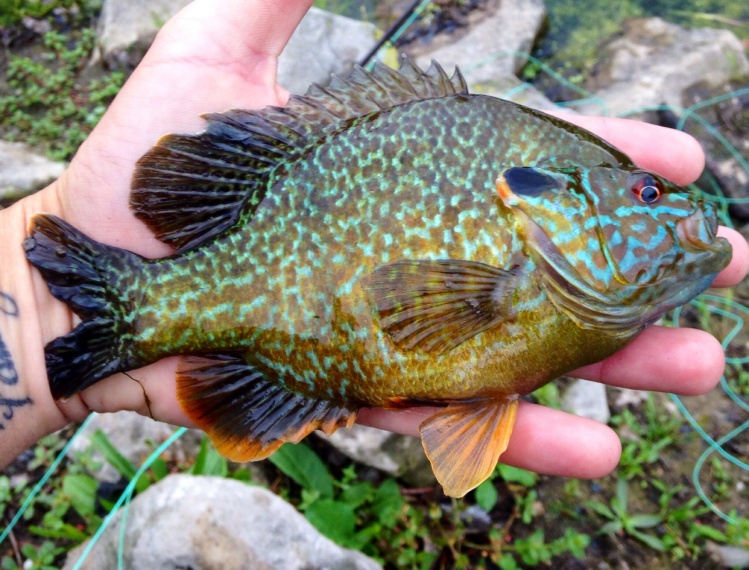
point(698, 232)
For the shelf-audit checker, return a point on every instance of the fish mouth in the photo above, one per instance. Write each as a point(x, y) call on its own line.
point(698, 231)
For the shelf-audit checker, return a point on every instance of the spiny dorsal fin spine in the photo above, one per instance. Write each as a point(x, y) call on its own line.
point(227, 165)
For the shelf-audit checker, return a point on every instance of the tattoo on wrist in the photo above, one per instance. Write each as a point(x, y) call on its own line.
point(8, 371)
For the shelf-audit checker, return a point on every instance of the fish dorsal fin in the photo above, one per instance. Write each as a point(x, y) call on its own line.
point(245, 412)
point(364, 92)
point(190, 188)
point(434, 306)
point(464, 441)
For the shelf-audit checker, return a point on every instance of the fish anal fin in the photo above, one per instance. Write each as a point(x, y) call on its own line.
point(464, 441)
point(247, 413)
point(434, 306)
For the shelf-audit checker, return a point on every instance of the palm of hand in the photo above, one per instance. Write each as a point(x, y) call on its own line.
point(176, 82)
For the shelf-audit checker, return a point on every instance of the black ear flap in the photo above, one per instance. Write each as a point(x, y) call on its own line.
point(530, 181)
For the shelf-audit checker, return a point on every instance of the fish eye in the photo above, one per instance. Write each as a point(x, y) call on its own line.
point(647, 189)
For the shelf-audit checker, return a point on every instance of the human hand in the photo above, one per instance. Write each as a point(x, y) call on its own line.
point(202, 62)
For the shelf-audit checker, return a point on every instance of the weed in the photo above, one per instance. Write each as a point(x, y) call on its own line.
point(646, 440)
point(621, 521)
point(46, 107)
point(13, 12)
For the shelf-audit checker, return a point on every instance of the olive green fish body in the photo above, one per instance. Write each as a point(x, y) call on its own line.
point(357, 200)
point(386, 241)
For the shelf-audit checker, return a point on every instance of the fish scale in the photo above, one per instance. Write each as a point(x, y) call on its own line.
point(386, 241)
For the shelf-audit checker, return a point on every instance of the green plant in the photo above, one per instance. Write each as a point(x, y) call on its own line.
point(645, 440)
point(42, 558)
point(349, 512)
point(14, 11)
point(621, 521)
point(46, 107)
point(534, 549)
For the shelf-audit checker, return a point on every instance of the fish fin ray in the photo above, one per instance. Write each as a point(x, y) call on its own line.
point(465, 440)
point(435, 306)
point(225, 169)
point(245, 413)
point(81, 272)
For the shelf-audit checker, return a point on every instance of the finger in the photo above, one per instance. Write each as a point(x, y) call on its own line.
point(150, 391)
point(544, 440)
point(679, 360)
point(673, 154)
point(241, 28)
point(739, 266)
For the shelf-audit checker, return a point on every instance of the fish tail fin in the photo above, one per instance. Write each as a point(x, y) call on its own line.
point(93, 279)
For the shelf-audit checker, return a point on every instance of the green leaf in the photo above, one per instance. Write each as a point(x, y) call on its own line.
point(9, 564)
point(619, 503)
point(652, 541)
point(486, 495)
point(388, 503)
point(209, 462)
point(533, 550)
point(112, 456)
point(645, 521)
point(602, 509)
point(575, 542)
point(516, 475)
point(160, 469)
point(301, 464)
point(612, 527)
point(508, 562)
point(66, 531)
point(334, 519)
point(81, 490)
point(357, 494)
point(708, 532)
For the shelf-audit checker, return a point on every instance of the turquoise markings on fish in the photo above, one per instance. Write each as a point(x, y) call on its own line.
point(388, 240)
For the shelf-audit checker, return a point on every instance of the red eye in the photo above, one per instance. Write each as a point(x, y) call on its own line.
point(647, 189)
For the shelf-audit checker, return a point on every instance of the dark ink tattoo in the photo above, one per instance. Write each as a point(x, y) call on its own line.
point(9, 404)
point(8, 305)
point(8, 372)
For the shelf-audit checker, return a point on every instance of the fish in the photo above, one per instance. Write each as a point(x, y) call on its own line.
point(388, 240)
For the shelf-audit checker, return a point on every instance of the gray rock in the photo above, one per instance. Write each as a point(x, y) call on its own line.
point(728, 556)
point(208, 522)
point(398, 455)
point(655, 62)
point(626, 397)
point(22, 171)
point(587, 399)
point(485, 49)
point(135, 437)
point(128, 27)
point(323, 44)
point(513, 89)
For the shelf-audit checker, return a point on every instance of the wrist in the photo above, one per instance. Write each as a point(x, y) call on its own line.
point(29, 318)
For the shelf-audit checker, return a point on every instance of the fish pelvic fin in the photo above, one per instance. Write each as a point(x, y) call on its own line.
point(90, 278)
point(189, 189)
point(247, 413)
point(465, 440)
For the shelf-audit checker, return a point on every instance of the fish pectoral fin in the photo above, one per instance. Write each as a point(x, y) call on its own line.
point(247, 414)
point(464, 441)
point(436, 305)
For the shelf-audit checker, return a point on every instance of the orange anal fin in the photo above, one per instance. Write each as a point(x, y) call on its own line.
point(464, 441)
point(248, 414)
